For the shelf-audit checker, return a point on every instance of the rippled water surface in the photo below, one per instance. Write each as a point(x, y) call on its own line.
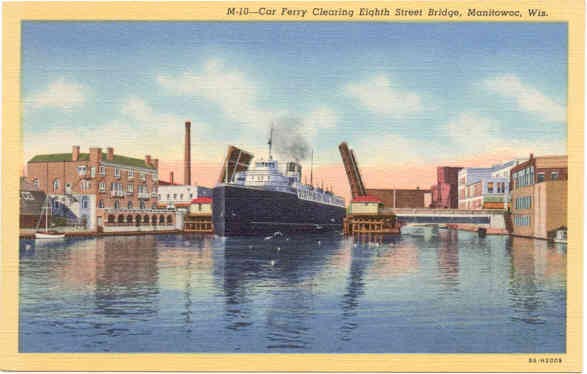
point(440, 292)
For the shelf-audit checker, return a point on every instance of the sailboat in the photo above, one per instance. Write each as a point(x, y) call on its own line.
point(47, 234)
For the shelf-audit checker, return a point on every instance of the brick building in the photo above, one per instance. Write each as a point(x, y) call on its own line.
point(539, 196)
point(445, 191)
point(401, 198)
point(125, 188)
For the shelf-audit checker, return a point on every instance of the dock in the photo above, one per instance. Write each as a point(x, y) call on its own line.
point(370, 224)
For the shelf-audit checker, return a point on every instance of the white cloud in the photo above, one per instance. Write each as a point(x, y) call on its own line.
point(137, 130)
point(473, 134)
point(59, 94)
point(468, 137)
point(379, 95)
point(318, 119)
point(394, 149)
point(527, 98)
point(229, 89)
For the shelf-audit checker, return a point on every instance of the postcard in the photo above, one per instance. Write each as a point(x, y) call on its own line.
point(292, 186)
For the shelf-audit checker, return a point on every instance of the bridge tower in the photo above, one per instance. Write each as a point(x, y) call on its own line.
point(352, 170)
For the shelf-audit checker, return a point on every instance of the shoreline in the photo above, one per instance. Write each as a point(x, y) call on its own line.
point(89, 234)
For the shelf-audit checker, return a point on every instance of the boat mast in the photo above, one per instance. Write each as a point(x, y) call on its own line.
point(47, 217)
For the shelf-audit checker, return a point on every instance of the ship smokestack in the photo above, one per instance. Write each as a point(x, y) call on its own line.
point(171, 177)
point(187, 173)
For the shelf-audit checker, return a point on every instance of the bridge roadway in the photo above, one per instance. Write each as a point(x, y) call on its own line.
point(493, 219)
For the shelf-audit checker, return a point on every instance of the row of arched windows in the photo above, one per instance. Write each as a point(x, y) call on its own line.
point(138, 219)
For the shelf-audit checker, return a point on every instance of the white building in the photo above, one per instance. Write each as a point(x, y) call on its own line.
point(179, 196)
point(364, 205)
point(485, 188)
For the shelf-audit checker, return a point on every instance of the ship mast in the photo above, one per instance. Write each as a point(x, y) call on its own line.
point(312, 168)
point(270, 141)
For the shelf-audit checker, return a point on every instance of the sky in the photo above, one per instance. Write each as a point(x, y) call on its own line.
point(407, 97)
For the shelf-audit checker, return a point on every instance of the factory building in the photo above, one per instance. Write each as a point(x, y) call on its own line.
point(539, 196)
point(172, 195)
point(445, 191)
point(402, 198)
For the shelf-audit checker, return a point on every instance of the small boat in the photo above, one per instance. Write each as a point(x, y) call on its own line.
point(560, 236)
point(47, 234)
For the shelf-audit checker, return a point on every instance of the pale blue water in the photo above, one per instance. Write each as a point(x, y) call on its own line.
point(442, 292)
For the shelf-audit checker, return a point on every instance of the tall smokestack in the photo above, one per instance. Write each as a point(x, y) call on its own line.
point(187, 173)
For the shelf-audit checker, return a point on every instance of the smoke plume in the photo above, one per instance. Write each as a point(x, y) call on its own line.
point(289, 141)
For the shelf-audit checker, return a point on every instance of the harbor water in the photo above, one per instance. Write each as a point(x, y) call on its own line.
point(436, 291)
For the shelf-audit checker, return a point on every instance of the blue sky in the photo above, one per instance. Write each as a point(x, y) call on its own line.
point(422, 93)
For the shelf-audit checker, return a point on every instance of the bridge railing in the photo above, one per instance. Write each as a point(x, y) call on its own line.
point(400, 211)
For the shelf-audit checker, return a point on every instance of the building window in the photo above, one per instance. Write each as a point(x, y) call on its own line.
point(540, 177)
point(85, 202)
point(191, 195)
point(36, 182)
point(117, 172)
point(102, 186)
point(142, 204)
point(159, 197)
point(102, 170)
point(143, 177)
point(174, 196)
point(131, 173)
point(129, 205)
point(56, 185)
point(93, 172)
point(154, 206)
point(100, 203)
point(82, 170)
point(554, 175)
point(522, 220)
point(168, 196)
point(85, 186)
point(524, 202)
point(181, 196)
point(130, 188)
point(116, 204)
point(490, 187)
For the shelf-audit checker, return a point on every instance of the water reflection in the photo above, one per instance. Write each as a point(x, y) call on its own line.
point(448, 258)
point(535, 267)
point(440, 292)
point(354, 290)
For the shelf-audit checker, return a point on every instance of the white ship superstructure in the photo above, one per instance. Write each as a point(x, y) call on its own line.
point(268, 175)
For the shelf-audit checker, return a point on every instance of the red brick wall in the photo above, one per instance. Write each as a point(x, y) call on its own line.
point(405, 198)
point(66, 172)
point(47, 172)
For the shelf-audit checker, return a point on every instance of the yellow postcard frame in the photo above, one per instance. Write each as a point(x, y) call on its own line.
point(571, 11)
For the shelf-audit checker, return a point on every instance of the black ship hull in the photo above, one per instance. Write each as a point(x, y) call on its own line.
point(249, 211)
